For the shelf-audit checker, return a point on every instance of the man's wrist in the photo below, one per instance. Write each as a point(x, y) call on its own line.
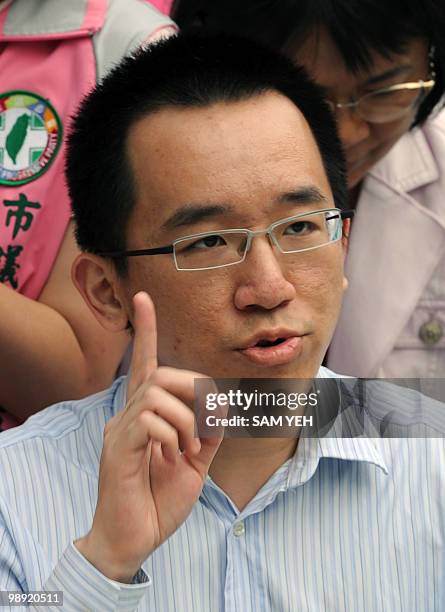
point(86, 588)
point(105, 563)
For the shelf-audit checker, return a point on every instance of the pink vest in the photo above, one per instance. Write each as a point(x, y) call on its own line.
point(42, 81)
point(43, 77)
point(163, 5)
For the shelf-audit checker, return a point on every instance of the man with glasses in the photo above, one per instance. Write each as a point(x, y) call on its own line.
point(217, 186)
point(381, 65)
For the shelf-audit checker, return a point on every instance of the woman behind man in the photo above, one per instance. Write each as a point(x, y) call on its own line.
point(382, 67)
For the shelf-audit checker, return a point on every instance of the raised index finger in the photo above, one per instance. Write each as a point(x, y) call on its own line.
point(145, 359)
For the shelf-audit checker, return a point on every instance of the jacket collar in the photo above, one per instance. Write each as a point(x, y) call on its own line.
point(409, 165)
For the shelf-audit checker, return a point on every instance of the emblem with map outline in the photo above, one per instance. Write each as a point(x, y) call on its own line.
point(30, 136)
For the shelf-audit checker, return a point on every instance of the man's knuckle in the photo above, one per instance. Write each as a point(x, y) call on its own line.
point(151, 395)
point(144, 420)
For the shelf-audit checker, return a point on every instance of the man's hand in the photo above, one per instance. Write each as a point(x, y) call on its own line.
point(147, 487)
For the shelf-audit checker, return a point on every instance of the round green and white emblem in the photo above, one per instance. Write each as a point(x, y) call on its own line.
point(30, 136)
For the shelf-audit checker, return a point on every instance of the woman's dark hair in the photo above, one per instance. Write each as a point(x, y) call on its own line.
point(358, 27)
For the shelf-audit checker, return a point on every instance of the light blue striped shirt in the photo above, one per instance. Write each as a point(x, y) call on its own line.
point(345, 525)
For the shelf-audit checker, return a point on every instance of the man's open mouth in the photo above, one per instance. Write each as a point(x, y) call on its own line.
point(266, 343)
point(271, 351)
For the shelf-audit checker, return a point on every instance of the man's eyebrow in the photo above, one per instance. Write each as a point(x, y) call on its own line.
point(191, 214)
point(388, 74)
point(303, 195)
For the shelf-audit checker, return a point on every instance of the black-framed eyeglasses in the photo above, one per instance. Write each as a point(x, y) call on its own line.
point(389, 103)
point(220, 248)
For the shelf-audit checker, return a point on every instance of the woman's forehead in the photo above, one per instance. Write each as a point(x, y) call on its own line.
point(324, 61)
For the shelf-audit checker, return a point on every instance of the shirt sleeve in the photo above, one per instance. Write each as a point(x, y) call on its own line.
point(11, 573)
point(82, 585)
point(85, 588)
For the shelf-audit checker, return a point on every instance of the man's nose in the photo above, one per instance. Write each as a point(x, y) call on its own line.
point(262, 283)
point(352, 128)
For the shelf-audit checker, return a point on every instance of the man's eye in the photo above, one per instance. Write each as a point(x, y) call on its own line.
point(299, 228)
point(208, 242)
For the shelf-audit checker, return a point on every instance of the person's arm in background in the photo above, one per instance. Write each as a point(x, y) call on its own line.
point(53, 349)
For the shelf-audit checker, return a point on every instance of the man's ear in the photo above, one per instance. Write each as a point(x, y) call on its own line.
point(97, 281)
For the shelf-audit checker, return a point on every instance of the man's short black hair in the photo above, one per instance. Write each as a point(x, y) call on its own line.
point(357, 27)
point(183, 71)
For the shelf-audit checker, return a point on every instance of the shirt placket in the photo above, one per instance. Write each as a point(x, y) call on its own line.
point(244, 546)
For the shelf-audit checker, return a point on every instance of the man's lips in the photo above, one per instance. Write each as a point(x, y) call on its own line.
point(270, 336)
point(275, 348)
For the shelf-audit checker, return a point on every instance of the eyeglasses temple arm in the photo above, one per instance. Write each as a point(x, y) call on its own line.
point(347, 214)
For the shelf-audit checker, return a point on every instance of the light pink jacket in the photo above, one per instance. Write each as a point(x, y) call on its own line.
point(396, 265)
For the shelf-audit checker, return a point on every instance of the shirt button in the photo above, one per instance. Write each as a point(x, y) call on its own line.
point(430, 333)
point(238, 529)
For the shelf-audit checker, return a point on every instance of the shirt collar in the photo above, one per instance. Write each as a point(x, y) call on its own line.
point(361, 449)
point(310, 451)
point(346, 437)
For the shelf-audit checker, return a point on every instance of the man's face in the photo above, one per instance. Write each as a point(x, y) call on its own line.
point(243, 163)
